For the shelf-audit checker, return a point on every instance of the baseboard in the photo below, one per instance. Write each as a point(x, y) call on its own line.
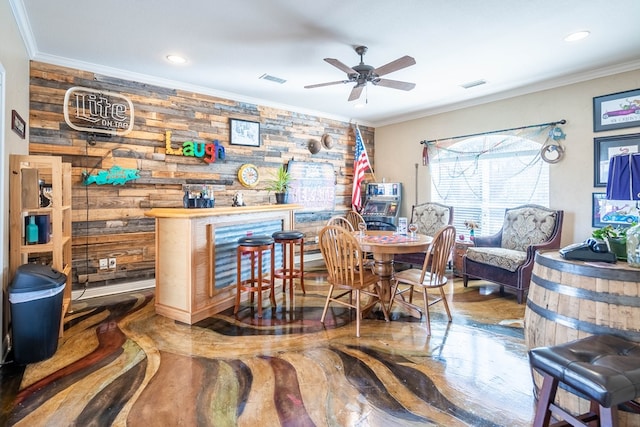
point(102, 291)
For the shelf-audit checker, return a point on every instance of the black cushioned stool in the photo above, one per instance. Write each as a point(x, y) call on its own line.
point(255, 246)
point(602, 368)
point(289, 240)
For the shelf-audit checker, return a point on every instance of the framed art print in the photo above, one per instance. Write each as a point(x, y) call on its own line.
point(617, 213)
point(18, 124)
point(607, 147)
point(243, 132)
point(616, 111)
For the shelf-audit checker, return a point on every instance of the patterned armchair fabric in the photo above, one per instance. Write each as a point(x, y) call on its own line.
point(431, 217)
point(507, 257)
point(527, 226)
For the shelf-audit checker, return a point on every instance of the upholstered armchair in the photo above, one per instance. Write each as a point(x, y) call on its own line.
point(507, 257)
point(431, 217)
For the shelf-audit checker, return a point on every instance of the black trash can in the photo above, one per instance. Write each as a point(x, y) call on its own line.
point(35, 297)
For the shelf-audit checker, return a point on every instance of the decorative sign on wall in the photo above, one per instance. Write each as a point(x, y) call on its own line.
point(116, 176)
point(313, 185)
point(208, 152)
point(97, 111)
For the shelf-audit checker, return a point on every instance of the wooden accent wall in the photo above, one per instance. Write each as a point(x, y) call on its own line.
point(108, 220)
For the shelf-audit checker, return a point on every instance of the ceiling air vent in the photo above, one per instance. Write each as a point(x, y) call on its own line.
point(469, 85)
point(272, 78)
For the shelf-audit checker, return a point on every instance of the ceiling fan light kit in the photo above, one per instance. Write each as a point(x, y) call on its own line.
point(362, 74)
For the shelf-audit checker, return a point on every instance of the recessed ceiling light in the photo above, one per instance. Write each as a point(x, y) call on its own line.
point(578, 35)
point(176, 59)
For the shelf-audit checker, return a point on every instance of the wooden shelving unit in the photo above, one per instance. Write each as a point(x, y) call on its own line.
point(24, 200)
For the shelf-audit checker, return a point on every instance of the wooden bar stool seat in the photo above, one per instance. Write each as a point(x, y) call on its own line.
point(255, 247)
point(604, 369)
point(288, 271)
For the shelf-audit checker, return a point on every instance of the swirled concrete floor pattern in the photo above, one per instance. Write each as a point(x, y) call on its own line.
point(121, 364)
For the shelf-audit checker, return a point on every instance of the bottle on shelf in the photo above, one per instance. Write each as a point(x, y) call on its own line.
point(31, 232)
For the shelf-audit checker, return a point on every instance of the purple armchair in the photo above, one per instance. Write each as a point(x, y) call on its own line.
point(507, 257)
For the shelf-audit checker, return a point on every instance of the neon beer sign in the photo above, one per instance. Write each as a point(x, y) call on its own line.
point(97, 111)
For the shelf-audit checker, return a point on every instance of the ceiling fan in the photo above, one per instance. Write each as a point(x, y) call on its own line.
point(362, 74)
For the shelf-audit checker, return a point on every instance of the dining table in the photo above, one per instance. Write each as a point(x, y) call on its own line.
point(383, 245)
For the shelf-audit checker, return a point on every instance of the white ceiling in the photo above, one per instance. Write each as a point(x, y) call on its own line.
point(515, 45)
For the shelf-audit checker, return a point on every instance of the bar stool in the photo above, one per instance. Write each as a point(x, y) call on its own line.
point(289, 239)
point(255, 246)
point(604, 369)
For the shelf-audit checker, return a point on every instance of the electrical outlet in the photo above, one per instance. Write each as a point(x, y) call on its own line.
point(112, 263)
point(104, 264)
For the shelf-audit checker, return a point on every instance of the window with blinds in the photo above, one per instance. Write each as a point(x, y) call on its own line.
point(482, 176)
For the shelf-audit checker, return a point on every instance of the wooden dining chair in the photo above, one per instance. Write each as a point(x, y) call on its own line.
point(340, 221)
point(354, 219)
point(431, 276)
point(348, 281)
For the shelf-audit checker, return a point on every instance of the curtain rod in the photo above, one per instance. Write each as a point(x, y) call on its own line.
point(559, 122)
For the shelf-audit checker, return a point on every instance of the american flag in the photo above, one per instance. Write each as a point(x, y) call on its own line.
point(360, 166)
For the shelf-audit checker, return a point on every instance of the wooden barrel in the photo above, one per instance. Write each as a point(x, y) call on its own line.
point(569, 300)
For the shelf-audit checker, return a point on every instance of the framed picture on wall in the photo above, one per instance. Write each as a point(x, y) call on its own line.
point(243, 132)
point(618, 213)
point(616, 111)
point(597, 207)
point(607, 147)
point(18, 124)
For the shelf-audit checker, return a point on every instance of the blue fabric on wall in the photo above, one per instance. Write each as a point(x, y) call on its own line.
point(624, 177)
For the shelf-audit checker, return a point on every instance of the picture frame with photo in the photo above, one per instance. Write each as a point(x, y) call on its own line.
point(616, 111)
point(618, 213)
point(607, 147)
point(18, 125)
point(244, 132)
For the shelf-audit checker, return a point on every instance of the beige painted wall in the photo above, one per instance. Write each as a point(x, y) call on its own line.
point(14, 64)
point(571, 179)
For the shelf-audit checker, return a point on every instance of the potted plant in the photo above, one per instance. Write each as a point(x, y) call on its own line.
point(616, 239)
point(279, 184)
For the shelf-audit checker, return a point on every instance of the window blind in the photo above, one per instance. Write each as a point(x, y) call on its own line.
point(484, 175)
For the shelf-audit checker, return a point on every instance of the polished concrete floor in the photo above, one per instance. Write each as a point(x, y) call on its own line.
point(121, 364)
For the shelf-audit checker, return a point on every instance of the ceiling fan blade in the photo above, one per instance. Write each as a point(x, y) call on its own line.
point(394, 84)
point(326, 84)
point(356, 92)
point(398, 64)
point(340, 65)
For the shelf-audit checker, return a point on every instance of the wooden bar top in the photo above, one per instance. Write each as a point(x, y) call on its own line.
point(227, 210)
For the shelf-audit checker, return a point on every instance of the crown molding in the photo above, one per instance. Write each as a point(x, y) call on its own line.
point(20, 15)
point(520, 91)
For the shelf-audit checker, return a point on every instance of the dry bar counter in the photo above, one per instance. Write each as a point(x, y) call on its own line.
point(196, 255)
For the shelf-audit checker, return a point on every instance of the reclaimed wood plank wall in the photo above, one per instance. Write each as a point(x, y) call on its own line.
point(109, 221)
